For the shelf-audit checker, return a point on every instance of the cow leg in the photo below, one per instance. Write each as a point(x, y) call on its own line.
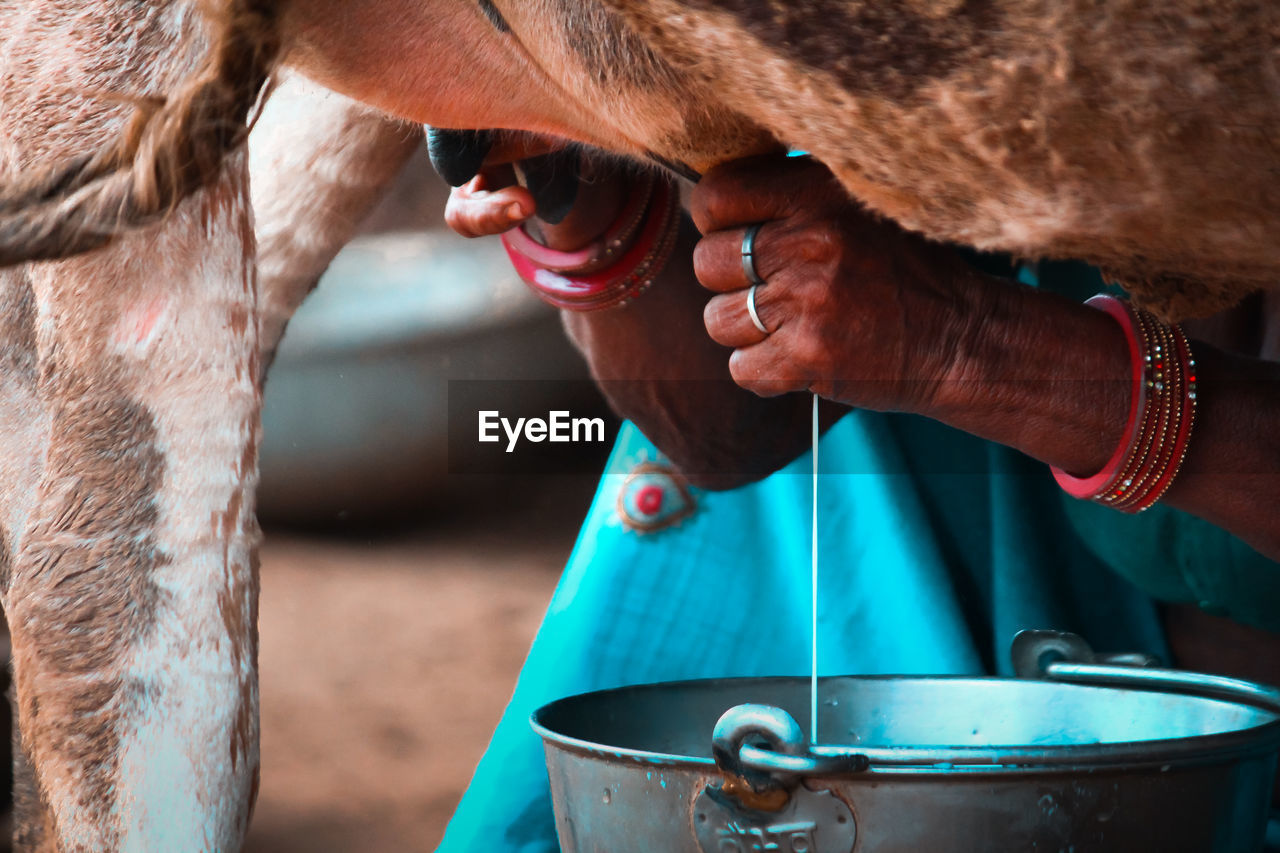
point(132, 591)
point(131, 586)
point(318, 162)
point(128, 533)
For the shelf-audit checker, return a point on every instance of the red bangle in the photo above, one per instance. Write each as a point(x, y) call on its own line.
point(615, 237)
point(1161, 415)
point(1090, 487)
point(622, 280)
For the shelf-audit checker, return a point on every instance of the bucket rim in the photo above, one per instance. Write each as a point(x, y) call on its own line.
point(1159, 753)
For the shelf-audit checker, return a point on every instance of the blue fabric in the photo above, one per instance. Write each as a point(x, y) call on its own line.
point(935, 548)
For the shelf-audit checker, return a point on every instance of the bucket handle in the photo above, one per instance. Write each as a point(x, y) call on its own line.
point(761, 805)
point(788, 756)
point(1063, 656)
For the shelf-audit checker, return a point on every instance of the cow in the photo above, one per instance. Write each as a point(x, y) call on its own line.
point(137, 323)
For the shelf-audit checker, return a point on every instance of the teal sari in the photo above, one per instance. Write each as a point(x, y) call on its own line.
point(922, 571)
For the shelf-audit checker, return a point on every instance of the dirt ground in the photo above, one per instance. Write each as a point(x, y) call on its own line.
point(386, 660)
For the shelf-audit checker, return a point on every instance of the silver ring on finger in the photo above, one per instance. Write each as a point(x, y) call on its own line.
point(748, 254)
point(751, 309)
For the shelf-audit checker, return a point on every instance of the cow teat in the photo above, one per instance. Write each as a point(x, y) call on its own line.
point(457, 155)
point(552, 180)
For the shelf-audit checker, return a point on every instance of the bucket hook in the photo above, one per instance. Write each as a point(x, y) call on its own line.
point(761, 778)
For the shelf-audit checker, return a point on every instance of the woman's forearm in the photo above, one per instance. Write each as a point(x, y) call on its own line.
point(1051, 378)
point(1231, 475)
point(1036, 372)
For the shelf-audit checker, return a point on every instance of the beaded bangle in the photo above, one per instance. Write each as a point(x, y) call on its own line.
point(1182, 439)
point(620, 281)
point(1137, 473)
point(1161, 414)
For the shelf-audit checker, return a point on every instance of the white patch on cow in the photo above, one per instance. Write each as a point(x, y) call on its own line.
point(178, 788)
point(173, 763)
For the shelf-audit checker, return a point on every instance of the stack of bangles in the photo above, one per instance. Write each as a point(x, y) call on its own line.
point(1162, 410)
point(615, 268)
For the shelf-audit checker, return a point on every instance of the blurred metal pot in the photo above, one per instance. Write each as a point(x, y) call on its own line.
point(355, 419)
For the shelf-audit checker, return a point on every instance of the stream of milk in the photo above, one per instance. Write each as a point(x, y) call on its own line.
point(813, 583)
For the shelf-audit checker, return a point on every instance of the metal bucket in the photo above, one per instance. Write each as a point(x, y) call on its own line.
point(1087, 754)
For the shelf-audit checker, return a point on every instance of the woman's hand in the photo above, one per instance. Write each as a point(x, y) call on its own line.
point(651, 357)
point(478, 208)
point(865, 314)
point(857, 310)
point(493, 202)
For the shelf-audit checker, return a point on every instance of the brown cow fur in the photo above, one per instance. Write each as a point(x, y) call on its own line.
point(1141, 137)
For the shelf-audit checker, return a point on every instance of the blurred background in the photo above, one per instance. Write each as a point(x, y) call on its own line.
point(399, 596)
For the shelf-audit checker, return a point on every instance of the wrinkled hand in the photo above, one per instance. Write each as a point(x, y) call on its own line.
point(858, 310)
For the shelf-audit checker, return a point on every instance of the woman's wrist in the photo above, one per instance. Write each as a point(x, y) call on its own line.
point(1040, 373)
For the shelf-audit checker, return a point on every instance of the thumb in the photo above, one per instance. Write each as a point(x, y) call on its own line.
point(473, 211)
